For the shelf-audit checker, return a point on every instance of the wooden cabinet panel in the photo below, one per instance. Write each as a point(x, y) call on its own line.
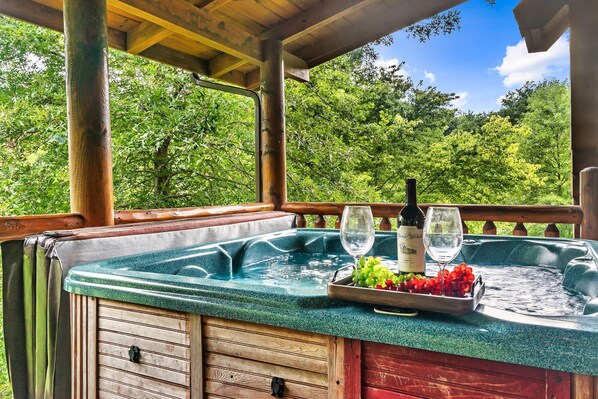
point(163, 338)
point(240, 360)
point(394, 371)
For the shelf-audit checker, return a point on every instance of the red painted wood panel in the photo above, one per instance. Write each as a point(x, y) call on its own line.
point(352, 369)
point(391, 372)
point(428, 371)
point(375, 393)
point(454, 360)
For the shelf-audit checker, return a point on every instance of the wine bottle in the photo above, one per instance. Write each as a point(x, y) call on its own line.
point(410, 244)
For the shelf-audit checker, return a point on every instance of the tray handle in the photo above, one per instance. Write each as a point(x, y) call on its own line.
point(338, 270)
point(477, 282)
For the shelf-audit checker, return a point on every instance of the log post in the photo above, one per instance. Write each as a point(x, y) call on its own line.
point(90, 161)
point(273, 147)
point(588, 183)
point(584, 88)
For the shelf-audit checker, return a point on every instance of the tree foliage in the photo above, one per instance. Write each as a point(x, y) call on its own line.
point(354, 133)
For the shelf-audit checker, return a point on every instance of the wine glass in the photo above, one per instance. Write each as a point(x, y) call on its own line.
point(357, 231)
point(443, 236)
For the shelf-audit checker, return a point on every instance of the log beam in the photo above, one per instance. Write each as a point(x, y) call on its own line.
point(193, 23)
point(90, 162)
point(145, 35)
point(273, 146)
point(584, 88)
point(589, 203)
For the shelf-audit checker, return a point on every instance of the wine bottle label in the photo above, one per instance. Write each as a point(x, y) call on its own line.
point(410, 249)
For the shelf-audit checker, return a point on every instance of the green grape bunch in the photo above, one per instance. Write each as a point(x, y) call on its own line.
point(370, 273)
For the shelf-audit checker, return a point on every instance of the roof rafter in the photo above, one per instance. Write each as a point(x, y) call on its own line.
point(189, 21)
point(542, 22)
point(313, 19)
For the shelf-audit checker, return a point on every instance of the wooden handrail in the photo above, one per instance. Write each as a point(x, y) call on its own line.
point(568, 214)
point(154, 215)
point(19, 227)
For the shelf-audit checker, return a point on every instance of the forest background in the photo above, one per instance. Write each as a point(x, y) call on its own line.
point(354, 133)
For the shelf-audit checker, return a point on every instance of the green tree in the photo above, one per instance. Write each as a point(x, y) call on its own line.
point(549, 143)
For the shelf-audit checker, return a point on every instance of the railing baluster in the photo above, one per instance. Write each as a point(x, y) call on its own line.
point(320, 222)
point(465, 228)
point(489, 228)
point(301, 222)
point(385, 224)
point(337, 222)
point(519, 230)
point(552, 231)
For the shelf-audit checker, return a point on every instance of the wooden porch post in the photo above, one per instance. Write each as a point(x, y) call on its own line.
point(90, 162)
point(588, 182)
point(273, 147)
point(584, 89)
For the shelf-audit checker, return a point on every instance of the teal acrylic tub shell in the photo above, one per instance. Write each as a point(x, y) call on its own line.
point(179, 280)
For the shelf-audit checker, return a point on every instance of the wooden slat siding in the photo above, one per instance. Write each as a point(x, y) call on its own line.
point(262, 383)
point(584, 386)
point(141, 382)
point(83, 347)
point(241, 359)
point(19, 227)
point(267, 330)
point(432, 375)
point(336, 368)
point(271, 370)
point(497, 213)
point(264, 354)
point(352, 368)
point(275, 343)
point(163, 337)
point(376, 393)
point(150, 355)
point(140, 391)
point(197, 360)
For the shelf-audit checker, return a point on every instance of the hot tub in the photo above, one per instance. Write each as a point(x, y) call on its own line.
point(546, 277)
point(270, 279)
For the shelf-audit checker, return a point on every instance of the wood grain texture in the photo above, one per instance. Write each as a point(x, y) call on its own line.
point(273, 136)
point(352, 368)
point(588, 185)
point(152, 215)
point(197, 359)
point(83, 347)
point(241, 359)
point(88, 110)
point(18, 227)
point(164, 339)
point(584, 386)
point(400, 371)
point(496, 213)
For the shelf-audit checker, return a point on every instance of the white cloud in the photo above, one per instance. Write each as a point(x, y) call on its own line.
point(461, 101)
point(518, 66)
point(390, 63)
point(430, 76)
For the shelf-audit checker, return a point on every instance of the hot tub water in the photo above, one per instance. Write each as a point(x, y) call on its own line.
point(522, 289)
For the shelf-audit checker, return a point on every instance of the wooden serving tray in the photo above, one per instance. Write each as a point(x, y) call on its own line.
point(434, 303)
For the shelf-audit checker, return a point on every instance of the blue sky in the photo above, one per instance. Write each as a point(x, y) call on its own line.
point(481, 62)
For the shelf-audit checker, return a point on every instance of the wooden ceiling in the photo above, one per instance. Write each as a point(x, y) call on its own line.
point(223, 39)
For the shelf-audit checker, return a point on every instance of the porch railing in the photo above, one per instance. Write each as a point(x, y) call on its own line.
point(519, 215)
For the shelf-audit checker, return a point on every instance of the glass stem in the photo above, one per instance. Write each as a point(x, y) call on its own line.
point(442, 266)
